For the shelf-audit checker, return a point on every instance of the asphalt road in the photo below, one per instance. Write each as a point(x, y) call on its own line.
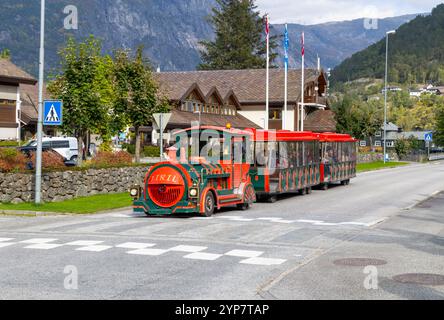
point(382, 237)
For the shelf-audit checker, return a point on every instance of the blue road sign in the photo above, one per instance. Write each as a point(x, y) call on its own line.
point(428, 137)
point(52, 113)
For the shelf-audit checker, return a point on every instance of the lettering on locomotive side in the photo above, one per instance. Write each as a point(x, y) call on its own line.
point(164, 178)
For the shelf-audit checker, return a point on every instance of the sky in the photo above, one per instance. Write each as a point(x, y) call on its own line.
point(320, 11)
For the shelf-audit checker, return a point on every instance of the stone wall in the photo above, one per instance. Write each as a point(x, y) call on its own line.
point(60, 186)
point(370, 157)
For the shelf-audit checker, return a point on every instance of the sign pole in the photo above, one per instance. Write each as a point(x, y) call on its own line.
point(161, 137)
point(38, 164)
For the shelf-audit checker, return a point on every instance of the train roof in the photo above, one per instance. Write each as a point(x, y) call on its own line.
point(335, 137)
point(283, 135)
point(231, 131)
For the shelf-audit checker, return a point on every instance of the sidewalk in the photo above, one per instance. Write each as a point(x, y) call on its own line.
point(407, 251)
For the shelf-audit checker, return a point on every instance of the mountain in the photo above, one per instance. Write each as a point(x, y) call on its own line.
point(416, 54)
point(169, 30)
point(336, 41)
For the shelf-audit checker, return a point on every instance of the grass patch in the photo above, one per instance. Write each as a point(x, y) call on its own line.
point(84, 205)
point(378, 165)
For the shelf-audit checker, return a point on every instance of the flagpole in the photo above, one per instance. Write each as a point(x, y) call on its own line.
point(267, 90)
point(303, 83)
point(284, 116)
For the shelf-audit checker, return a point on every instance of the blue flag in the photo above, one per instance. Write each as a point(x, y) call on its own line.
point(286, 46)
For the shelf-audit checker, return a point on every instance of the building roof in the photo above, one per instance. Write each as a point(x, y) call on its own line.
point(29, 94)
point(418, 135)
point(390, 127)
point(10, 73)
point(321, 121)
point(248, 85)
point(184, 119)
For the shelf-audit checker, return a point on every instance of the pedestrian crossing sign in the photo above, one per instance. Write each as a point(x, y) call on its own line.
point(52, 113)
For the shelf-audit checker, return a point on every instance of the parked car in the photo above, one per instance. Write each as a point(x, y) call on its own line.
point(65, 147)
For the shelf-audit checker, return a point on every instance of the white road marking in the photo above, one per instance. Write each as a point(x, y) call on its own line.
point(44, 246)
point(94, 248)
point(242, 220)
point(310, 221)
point(203, 256)
point(229, 217)
point(135, 245)
point(202, 218)
point(6, 244)
point(148, 252)
point(325, 224)
point(244, 253)
point(6, 239)
point(285, 221)
point(39, 241)
point(268, 219)
point(83, 243)
point(353, 224)
point(263, 261)
point(374, 223)
point(189, 249)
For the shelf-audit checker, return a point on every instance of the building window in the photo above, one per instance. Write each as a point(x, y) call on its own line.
point(378, 134)
point(390, 144)
point(363, 143)
point(275, 114)
point(378, 144)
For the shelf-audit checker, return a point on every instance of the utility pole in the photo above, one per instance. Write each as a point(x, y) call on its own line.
point(38, 164)
point(385, 92)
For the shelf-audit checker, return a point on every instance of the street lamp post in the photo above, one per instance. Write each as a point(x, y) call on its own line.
point(385, 92)
point(38, 162)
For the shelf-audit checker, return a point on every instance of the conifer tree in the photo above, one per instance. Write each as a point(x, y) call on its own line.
point(240, 38)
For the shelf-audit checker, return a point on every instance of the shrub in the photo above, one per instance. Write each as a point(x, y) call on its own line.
point(130, 148)
point(9, 144)
point(151, 152)
point(107, 159)
point(12, 160)
point(50, 160)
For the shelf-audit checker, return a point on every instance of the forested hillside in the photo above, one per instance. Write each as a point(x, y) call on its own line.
point(416, 54)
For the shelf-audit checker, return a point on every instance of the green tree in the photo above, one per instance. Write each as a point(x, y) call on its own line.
point(439, 131)
point(85, 86)
point(343, 114)
point(401, 148)
point(5, 54)
point(137, 95)
point(240, 38)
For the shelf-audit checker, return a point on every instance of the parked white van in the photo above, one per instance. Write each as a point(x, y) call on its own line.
point(65, 146)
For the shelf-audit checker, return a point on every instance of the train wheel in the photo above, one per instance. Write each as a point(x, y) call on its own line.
point(347, 182)
point(325, 186)
point(209, 204)
point(303, 192)
point(272, 199)
point(309, 190)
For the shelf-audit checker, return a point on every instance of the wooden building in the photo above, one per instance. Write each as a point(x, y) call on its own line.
point(240, 95)
point(11, 101)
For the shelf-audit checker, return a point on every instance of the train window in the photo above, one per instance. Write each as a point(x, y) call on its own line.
point(283, 155)
point(266, 154)
point(302, 154)
point(292, 154)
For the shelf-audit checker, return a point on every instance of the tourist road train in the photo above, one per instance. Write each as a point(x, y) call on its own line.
point(209, 168)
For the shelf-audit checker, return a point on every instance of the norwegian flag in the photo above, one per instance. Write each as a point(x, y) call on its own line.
point(267, 25)
point(303, 44)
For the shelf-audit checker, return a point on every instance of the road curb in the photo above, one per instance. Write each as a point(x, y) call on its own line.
point(48, 214)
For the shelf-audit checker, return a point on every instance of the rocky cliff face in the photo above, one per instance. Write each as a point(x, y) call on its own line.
point(169, 30)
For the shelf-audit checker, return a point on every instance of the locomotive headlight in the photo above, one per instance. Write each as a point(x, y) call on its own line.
point(194, 192)
point(134, 192)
